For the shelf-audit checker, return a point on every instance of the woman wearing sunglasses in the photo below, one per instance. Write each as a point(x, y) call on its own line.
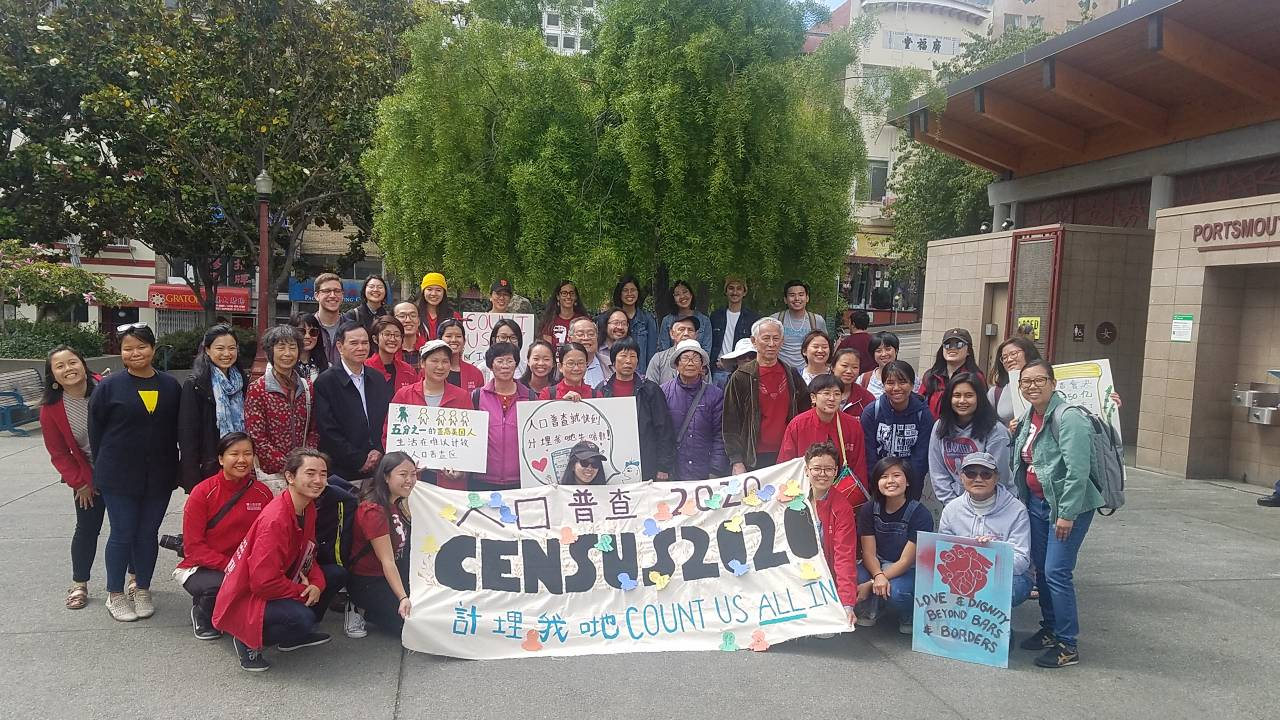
point(954, 355)
point(312, 359)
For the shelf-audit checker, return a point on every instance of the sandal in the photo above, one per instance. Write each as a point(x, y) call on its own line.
point(77, 596)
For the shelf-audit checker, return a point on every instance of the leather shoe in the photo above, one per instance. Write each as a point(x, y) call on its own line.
point(1272, 500)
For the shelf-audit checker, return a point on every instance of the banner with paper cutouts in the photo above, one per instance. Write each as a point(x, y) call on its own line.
point(963, 599)
point(728, 564)
point(549, 429)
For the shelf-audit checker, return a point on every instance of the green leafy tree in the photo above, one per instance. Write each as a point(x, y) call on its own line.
point(695, 138)
point(192, 103)
point(33, 274)
point(937, 195)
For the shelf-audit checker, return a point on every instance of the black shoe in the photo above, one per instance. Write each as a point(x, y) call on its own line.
point(311, 639)
point(1272, 500)
point(1042, 640)
point(1059, 656)
point(204, 630)
point(250, 660)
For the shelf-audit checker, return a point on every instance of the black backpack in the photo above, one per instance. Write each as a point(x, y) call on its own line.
point(335, 517)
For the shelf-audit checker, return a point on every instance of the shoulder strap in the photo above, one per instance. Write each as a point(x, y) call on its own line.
point(532, 395)
point(688, 416)
point(813, 322)
point(226, 508)
point(840, 434)
point(911, 509)
point(865, 379)
point(475, 399)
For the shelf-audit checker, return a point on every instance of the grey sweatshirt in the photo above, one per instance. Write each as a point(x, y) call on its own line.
point(945, 456)
point(1007, 521)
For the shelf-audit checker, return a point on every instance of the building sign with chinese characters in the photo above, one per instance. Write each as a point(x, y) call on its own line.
point(919, 42)
point(731, 564)
point(549, 429)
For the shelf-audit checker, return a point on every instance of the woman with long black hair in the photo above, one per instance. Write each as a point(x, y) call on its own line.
point(628, 296)
point(312, 359)
point(373, 303)
point(966, 424)
point(955, 355)
point(541, 372)
point(685, 304)
point(379, 582)
point(563, 307)
point(434, 306)
point(212, 404)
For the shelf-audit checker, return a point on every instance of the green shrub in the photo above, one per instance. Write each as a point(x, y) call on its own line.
point(186, 342)
point(25, 339)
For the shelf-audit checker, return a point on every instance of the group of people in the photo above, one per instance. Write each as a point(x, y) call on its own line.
point(269, 463)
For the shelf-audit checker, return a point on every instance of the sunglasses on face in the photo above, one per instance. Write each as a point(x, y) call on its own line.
point(310, 332)
point(955, 344)
point(975, 473)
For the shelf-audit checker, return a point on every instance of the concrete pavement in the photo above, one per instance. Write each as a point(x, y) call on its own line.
point(1180, 607)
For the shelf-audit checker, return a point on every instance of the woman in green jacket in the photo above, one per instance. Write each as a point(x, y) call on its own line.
point(1051, 461)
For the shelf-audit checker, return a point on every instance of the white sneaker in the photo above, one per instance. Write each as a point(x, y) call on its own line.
point(120, 608)
point(143, 604)
point(353, 623)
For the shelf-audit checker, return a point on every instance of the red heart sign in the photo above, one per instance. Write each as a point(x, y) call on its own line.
point(540, 464)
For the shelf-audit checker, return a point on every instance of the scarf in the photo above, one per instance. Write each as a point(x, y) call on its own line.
point(228, 400)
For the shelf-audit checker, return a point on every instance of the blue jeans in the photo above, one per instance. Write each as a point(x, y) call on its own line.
point(135, 537)
point(1055, 563)
point(1021, 588)
point(286, 621)
point(902, 590)
point(720, 377)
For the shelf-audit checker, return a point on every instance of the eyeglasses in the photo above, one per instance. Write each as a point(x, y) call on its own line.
point(829, 394)
point(1034, 382)
point(310, 332)
point(390, 335)
point(955, 344)
point(568, 293)
point(330, 291)
point(821, 470)
point(984, 473)
point(130, 326)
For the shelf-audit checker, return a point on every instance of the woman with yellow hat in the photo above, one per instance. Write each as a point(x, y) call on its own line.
point(434, 305)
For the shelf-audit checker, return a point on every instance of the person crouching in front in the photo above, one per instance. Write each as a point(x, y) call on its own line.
point(273, 581)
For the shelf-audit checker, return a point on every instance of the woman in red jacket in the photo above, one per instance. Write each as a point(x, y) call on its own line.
point(835, 523)
point(388, 339)
point(278, 405)
point(273, 581)
point(573, 369)
point(217, 516)
point(461, 373)
point(825, 423)
point(64, 415)
point(434, 391)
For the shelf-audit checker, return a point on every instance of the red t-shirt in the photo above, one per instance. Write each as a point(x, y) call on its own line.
point(371, 522)
point(1033, 482)
point(560, 329)
point(507, 400)
point(625, 388)
point(775, 401)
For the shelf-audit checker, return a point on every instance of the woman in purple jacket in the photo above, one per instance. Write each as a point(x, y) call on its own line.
point(499, 397)
point(696, 407)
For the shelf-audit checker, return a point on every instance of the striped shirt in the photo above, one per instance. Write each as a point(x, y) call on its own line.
point(78, 419)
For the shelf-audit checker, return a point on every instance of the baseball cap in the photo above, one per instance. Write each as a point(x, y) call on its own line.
point(433, 345)
point(586, 450)
point(958, 334)
point(980, 459)
point(502, 285)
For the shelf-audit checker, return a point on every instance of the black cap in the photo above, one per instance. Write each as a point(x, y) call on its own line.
point(586, 450)
point(503, 285)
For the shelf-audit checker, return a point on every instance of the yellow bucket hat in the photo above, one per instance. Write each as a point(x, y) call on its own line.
point(433, 278)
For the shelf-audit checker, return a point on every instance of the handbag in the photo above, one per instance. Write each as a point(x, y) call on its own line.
point(847, 483)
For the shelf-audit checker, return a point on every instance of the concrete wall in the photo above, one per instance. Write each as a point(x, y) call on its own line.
point(955, 281)
point(1187, 424)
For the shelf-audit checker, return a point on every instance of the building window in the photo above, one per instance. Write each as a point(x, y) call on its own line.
point(586, 44)
point(553, 41)
point(1012, 22)
point(875, 78)
point(569, 42)
point(553, 20)
point(1035, 22)
point(878, 179)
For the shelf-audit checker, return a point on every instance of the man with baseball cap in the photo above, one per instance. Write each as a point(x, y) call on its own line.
point(986, 512)
point(500, 294)
point(662, 365)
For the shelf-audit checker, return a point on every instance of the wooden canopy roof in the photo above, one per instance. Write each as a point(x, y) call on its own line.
point(1149, 74)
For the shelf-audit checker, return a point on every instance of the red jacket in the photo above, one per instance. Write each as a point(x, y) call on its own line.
point(212, 548)
point(277, 423)
point(806, 429)
point(267, 566)
point(470, 376)
point(454, 397)
point(405, 374)
point(64, 452)
point(860, 399)
point(840, 544)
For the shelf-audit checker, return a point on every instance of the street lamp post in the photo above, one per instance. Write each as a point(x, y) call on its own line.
point(263, 185)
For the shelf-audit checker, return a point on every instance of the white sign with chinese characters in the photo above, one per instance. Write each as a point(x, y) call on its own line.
point(550, 428)
point(440, 438)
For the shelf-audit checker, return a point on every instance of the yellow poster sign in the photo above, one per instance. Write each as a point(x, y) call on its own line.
point(1032, 321)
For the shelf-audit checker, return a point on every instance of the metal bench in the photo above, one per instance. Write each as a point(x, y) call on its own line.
point(20, 393)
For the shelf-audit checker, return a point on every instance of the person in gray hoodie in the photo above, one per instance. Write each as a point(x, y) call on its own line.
point(967, 423)
point(988, 511)
point(898, 425)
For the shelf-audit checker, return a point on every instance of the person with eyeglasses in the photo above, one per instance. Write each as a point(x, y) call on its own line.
point(329, 292)
point(988, 511)
point(955, 355)
point(1051, 466)
point(506, 331)
point(1012, 355)
point(613, 325)
point(133, 433)
point(824, 422)
point(572, 360)
point(584, 332)
point(696, 408)
point(835, 523)
point(212, 404)
point(407, 313)
point(563, 307)
point(388, 333)
point(967, 424)
point(312, 359)
point(351, 407)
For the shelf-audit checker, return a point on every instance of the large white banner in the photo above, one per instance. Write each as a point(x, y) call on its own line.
point(548, 430)
point(731, 564)
point(478, 326)
point(440, 438)
point(1087, 383)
